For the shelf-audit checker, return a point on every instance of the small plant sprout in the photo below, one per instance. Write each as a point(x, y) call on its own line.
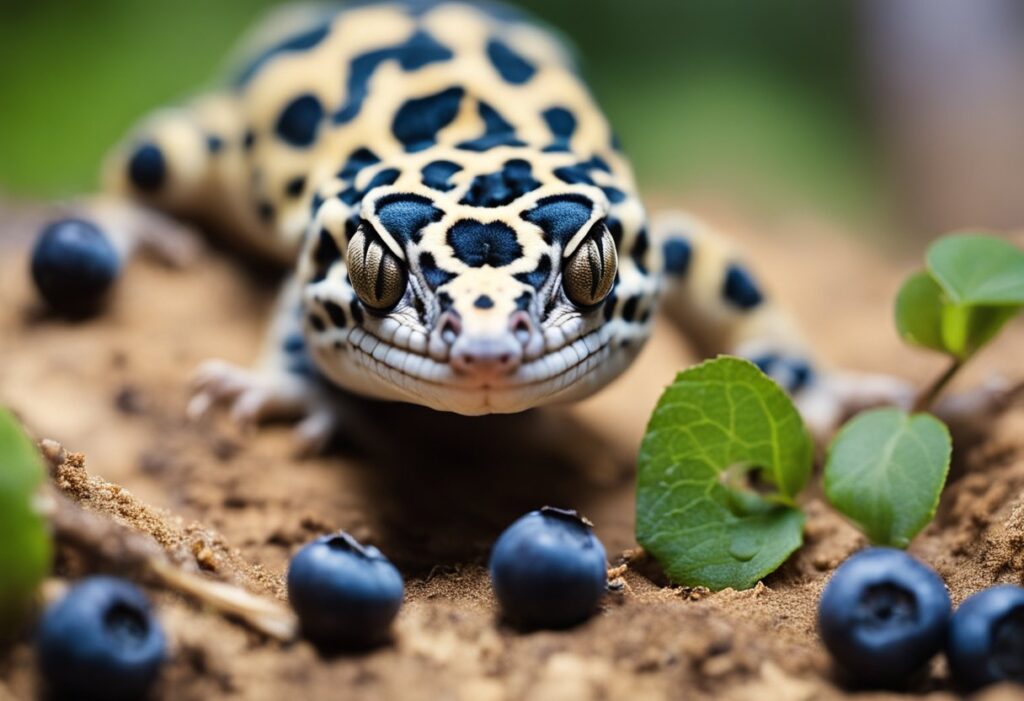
point(886, 468)
point(972, 286)
point(726, 454)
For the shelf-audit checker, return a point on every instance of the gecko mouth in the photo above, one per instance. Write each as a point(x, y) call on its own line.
point(569, 371)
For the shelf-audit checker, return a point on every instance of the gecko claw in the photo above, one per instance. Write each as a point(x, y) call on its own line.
point(253, 398)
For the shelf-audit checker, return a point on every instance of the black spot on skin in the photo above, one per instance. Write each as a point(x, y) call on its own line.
point(433, 275)
point(512, 67)
point(248, 140)
point(597, 163)
point(523, 301)
point(615, 228)
point(639, 250)
point(299, 121)
point(317, 323)
point(562, 124)
point(265, 211)
point(514, 180)
point(351, 195)
point(614, 195)
point(497, 132)
point(317, 202)
point(356, 310)
point(445, 301)
point(214, 143)
point(793, 374)
point(483, 302)
point(740, 288)
point(147, 168)
point(477, 244)
point(574, 175)
point(677, 252)
point(300, 42)
point(560, 216)
point(766, 362)
point(629, 308)
point(336, 313)
point(294, 343)
point(325, 255)
point(437, 173)
point(538, 276)
point(388, 176)
point(295, 186)
point(803, 375)
point(420, 50)
point(360, 158)
point(404, 216)
point(418, 120)
point(420, 307)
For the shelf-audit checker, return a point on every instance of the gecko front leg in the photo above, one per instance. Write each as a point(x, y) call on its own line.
point(284, 385)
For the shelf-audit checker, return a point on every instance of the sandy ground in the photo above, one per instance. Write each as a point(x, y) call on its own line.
point(436, 492)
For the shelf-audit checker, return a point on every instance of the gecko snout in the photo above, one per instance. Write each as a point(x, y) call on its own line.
point(487, 354)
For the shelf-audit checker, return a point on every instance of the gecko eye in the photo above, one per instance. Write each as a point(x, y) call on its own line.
point(589, 273)
point(378, 277)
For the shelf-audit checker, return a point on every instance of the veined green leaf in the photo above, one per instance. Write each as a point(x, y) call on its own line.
point(978, 270)
point(885, 471)
point(720, 420)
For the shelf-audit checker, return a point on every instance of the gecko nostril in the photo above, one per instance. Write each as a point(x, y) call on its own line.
point(521, 327)
point(450, 330)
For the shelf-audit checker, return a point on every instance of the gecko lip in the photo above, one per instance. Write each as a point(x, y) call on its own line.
point(573, 369)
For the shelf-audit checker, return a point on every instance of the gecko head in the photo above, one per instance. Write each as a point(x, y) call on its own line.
point(467, 308)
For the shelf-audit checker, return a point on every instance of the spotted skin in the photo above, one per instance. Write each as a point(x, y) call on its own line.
point(444, 157)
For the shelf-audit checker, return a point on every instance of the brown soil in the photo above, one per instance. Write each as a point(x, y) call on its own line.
point(434, 491)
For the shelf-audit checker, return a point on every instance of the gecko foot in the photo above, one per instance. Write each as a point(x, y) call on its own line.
point(834, 397)
point(253, 397)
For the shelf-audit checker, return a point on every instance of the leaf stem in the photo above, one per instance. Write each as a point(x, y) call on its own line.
point(928, 396)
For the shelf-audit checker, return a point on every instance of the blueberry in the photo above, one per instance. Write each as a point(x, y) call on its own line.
point(883, 615)
point(345, 594)
point(100, 641)
point(74, 265)
point(147, 167)
point(548, 569)
point(986, 638)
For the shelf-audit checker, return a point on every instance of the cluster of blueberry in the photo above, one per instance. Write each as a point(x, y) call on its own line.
point(102, 641)
point(548, 570)
point(884, 615)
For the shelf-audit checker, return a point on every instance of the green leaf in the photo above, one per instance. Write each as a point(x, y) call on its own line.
point(919, 310)
point(926, 317)
point(25, 549)
point(885, 471)
point(974, 269)
point(717, 425)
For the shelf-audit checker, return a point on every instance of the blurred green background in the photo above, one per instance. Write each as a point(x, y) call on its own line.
point(766, 101)
point(744, 94)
